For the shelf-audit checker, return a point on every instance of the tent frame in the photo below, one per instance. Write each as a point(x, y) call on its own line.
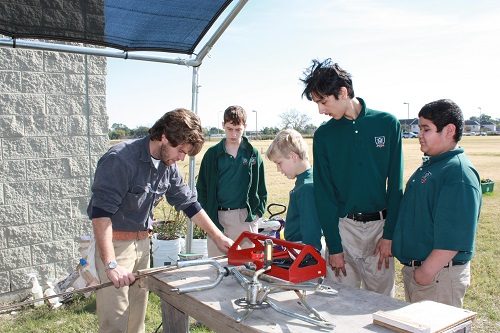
point(114, 53)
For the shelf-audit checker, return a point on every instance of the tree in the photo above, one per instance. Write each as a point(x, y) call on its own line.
point(270, 130)
point(294, 119)
point(140, 132)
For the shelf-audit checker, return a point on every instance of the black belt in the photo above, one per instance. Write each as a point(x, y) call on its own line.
point(417, 263)
point(228, 209)
point(367, 217)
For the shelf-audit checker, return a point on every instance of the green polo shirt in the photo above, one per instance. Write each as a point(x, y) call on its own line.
point(358, 168)
point(302, 223)
point(440, 209)
point(233, 179)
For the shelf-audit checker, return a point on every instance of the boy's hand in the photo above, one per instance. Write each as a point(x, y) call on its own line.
point(383, 249)
point(337, 263)
point(422, 277)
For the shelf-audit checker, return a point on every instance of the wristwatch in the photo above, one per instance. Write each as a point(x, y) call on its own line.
point(111, 265)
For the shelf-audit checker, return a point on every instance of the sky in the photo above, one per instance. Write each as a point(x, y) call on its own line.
point(397, 51)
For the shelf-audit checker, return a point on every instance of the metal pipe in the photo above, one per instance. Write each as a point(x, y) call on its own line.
point(220, 30)
point(103, 52)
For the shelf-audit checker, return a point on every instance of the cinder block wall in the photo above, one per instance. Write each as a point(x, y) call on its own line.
point(53, 129)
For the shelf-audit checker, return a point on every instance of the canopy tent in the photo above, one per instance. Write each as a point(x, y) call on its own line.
point(123, 27)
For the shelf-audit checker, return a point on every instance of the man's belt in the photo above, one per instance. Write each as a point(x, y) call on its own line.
point(417, 263)
point(130, 235)
point(228, 209)
point(367, 217)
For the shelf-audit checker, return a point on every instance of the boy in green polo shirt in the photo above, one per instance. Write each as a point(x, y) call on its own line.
point(436, 226)
point(289, 151)
point(358, 185)
point(231, 186)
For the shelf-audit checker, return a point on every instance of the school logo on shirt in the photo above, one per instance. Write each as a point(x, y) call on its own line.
point(426, 176)
point(380, 141)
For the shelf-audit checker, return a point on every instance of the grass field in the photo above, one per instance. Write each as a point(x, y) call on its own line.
point(482, 297)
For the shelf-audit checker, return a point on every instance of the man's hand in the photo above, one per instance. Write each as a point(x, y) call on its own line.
point(120, 276)
point(383, 249)
point(223, 242)
point(337, 263)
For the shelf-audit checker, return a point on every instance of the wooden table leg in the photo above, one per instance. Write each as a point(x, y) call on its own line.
point(173, 319)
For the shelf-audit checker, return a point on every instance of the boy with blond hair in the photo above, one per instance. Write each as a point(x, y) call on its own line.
point(289, 151)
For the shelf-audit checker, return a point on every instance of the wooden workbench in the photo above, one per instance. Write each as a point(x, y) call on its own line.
point(350, 310)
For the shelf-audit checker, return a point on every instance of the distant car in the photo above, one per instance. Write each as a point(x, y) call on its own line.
point(409, 135)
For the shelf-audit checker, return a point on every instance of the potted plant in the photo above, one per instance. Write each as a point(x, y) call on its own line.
point(167, 234)
point(487, 185)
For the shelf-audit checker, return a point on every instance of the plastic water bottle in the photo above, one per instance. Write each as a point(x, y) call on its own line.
point(36, 290)
point(85, 273)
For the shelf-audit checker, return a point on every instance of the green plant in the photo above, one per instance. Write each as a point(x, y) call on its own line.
point(198, 233)
point(172, 224)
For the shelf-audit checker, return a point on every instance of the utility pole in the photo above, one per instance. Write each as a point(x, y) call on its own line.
point(408, 122)
point(256, 128)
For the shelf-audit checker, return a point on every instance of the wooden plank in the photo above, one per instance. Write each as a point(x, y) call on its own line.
point(421, 317)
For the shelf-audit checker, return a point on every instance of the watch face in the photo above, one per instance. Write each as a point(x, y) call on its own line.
point(112, 264)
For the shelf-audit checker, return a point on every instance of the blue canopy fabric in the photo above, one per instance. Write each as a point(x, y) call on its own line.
point(175, 26)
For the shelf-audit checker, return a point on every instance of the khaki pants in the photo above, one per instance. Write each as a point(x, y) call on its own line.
point(358, 241)
point(123, 309)
point(233, 222)
point(448, 286)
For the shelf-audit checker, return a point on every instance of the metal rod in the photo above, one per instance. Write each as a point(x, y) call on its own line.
point(138, 275)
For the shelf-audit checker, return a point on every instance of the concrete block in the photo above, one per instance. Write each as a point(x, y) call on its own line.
point(49, 211)
point(24, 192)
point(4, 282)
point(12, 171)
point(3, 238)
point(43, 83)
point(2, 202)
point(64, 63)
point(52, 251)
point(46, 125)
point(11, 126)
point(97, 65)
point(68, 188)
point(19, 277)
point(69, 229)
point(12, 215)
point(68, 146)
point(28, 60)
point(22, 104)
point(75, 84)
point(99, 144)
point(24, 148)
point(7, 59)
point(65, 104)
point(79, 207)
point(97, 105)
point(99, 125)
point(10, 82)
point(29, 234)
point(79, 166)
point(97, 85)
point(53, 168)
point(77, 125)
point(15, 258)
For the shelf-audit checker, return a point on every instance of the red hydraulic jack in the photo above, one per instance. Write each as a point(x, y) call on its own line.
point(292, 262)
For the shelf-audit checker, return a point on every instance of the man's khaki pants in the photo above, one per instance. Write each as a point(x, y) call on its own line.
point(359, 241)
point(123, 309)
point(233, 222)
point(448, 286)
